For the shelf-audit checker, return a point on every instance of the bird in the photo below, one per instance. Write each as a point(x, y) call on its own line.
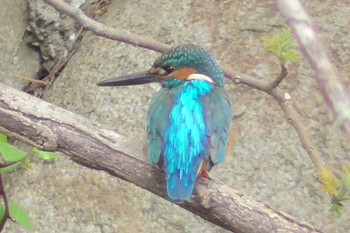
point(189, 118)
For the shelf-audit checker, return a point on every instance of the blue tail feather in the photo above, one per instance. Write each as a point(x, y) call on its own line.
point(180, 184)
point(177, 190)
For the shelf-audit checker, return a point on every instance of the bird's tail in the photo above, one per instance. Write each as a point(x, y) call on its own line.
point(181, 181)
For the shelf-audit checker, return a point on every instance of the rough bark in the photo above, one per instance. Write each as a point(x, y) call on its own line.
point(52, 128)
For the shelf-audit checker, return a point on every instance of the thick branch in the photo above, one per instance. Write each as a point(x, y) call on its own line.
point(334, 92)
point(54, 129)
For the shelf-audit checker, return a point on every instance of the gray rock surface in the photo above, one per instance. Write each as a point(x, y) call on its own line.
point(53, 35)
point(16, 58)
point(267, 161)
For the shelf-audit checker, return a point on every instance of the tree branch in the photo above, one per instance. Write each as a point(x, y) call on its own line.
point(280, 77)
point(335, 93)
point(286, 104)
point(104, 31)
point(51, 128)
point(6, 205)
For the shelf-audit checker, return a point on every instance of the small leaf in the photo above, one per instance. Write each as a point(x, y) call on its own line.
point(329, 181)
point(292, 55)
point(20, 215)
point(337, 209)
point(25, 163)
point(2, 211)
point(344, 193)
point(11, 153)
point(271, 44)
point(45, 155)
point(3, 138)
point(9, 168)
point(283, 46)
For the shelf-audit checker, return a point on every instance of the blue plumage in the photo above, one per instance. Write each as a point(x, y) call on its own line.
point(189, 118)
point(185, 139)
point(187, 124)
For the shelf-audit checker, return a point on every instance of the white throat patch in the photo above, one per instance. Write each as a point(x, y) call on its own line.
point(200, 77)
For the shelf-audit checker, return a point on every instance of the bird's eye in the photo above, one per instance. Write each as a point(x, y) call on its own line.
point(168, 69)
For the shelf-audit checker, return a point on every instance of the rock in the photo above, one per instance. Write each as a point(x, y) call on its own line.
point(16, 57)
point(54, 35)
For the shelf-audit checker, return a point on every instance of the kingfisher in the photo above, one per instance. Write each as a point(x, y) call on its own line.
point(189, 118)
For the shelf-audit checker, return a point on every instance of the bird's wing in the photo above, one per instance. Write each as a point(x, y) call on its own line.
point(218, 112)
point(157, 123)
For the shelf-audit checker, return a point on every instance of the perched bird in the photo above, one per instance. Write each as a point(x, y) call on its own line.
point(189, 118)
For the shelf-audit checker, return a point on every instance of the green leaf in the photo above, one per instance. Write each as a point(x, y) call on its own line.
point(3, 138)
point(271, 44)
point(20, 215)
point(292, 55)
point(337, 209)
point(45, 155)
point(283, 46)
point(9, 168)
point(25, 163)
point(2, 211)
point(344, 193)
point(11, 153)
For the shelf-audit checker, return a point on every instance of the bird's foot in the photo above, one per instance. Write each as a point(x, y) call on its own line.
point(204, 174)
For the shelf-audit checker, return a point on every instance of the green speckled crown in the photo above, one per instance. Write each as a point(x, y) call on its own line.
point(192, 56)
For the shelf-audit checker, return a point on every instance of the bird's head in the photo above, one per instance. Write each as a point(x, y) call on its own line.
point(176, 66)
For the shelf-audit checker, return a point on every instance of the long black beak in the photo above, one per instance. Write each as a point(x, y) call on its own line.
point(131, 79)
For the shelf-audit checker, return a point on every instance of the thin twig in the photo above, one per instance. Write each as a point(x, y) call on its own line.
point(6, 205)
point(4, 165)
point(107, 32)
point(40, 82)
point(286, 104)
point(280, 77)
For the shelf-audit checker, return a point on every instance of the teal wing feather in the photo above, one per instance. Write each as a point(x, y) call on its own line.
point(157, 123)
point(218, 113)
point(177, 120)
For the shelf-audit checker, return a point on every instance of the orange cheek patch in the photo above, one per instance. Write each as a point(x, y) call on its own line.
point(182, 74)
